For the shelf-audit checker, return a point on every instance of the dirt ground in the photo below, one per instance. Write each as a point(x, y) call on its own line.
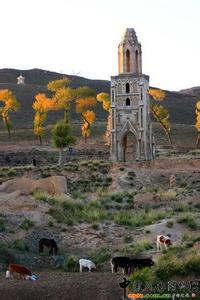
point(60, 285)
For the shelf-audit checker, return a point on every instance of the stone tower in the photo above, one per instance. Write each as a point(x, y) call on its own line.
point(131, 131)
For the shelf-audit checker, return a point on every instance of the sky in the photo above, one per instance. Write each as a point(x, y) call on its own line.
point(81, 37)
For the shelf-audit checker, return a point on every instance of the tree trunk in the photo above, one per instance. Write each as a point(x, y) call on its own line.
point(162, 125)
point(88, 123)
point(66, 116)
point(7, 126)
point(40, 139)
point(61, 155)
point(198, 140)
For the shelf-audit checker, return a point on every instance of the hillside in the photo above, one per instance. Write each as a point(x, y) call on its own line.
point(194, 91)
point(180, 104)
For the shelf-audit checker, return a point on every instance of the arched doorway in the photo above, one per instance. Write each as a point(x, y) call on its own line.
point(129, 146)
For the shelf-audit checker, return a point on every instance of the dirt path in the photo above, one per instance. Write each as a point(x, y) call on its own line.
point(60, 285)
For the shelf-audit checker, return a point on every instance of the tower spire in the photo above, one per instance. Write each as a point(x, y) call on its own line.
point(129, 53)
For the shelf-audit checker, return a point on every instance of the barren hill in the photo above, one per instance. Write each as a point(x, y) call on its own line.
point(180, 104)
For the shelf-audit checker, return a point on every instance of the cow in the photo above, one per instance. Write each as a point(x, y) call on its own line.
point(163, 240)
point(49, 243)
point(139, 263)
point(120, 262)
point(23, 271)
point(86, 263)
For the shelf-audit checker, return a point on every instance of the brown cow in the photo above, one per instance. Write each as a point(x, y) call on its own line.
point(23, 271)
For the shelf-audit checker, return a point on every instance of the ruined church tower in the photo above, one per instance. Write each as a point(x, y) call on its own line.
point(131, 130)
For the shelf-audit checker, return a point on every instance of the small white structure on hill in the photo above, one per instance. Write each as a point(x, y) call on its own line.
point(20, 79)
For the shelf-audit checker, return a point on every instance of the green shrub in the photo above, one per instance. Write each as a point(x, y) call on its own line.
point(69, 211)
point(179, 261)
point(3, 247)
point(27, 224)
point(188, 220)
point(101, 255)
point(129, 218)
point(123, 218)
point(192, 263)
point(169, 224)
point(128, 239)
point(143, 276)
point(2, 225)
point(58, 214)
point(51, 224)
point(181, 207)
point(95, 226)
point(45, 174)
point(141, 246)
point(167, 267)
point(20, 245)
point(43, 196)
point(96, 162)
point(131, 174)
point(70, 264)
point(12, 172)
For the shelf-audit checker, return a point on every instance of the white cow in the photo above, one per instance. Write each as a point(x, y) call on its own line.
point(86, 263)
point(8, 274)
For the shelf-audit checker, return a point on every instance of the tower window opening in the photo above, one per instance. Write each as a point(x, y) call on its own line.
point(127, 61)
point(141, 118)
point(136, 62)
point(127, 88)
point(128, 102)
point(141, 94)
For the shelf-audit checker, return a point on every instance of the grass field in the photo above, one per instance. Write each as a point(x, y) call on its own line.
point(183, 136)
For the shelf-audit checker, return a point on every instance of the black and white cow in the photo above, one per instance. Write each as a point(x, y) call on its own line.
point(120, 262)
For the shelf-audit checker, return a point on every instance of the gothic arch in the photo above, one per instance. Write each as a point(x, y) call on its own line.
point(127, 128)
point(128, 145)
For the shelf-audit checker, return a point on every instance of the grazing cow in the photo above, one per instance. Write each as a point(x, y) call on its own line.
point(49, 243)
point(86, 263)
point(120, 262)
point(163, 240)
point(139, 263)
point(23, 271)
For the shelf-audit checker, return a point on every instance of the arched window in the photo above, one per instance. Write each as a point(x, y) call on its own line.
point(136, 62)
point(127, 61)
point(128, 102)
point(127, 88)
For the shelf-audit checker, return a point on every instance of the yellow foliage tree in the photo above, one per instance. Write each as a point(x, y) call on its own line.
point(41, 105)
point(64, 94)
point(83, 106)
point(9, 103)
point(159, 112)
point(104, 98)
point(157, 94)
point(197, 125)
